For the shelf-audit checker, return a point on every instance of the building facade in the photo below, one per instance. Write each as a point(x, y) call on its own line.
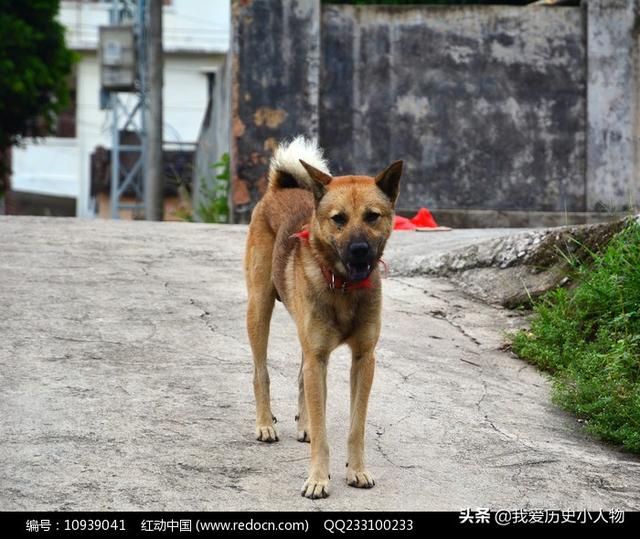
point(195, 41)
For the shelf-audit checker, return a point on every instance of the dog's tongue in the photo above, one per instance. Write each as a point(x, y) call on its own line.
point(358, 272)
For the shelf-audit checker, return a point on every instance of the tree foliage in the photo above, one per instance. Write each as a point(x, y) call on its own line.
point(34, 68)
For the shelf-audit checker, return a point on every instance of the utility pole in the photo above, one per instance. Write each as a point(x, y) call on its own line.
point(154, 179)
point(123, 70)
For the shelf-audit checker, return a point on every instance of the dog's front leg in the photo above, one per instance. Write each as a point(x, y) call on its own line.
point(314, 373)
point(362, 369)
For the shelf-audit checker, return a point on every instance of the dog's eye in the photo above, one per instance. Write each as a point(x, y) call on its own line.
point(339, 219)
point(371, 217)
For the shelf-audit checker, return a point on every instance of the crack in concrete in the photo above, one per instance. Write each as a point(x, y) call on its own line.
point(526, 463)
point(485, 417)
point(205, 316)
point(438, 314)
point(428, 293)
point(71, 339)
point(380, 431)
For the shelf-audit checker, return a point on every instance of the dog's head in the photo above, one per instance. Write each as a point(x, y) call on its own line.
point(354, 217)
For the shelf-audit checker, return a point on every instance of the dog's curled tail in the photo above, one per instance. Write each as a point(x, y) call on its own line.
point(285, 170)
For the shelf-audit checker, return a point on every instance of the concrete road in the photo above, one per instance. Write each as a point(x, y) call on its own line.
point(125, 383)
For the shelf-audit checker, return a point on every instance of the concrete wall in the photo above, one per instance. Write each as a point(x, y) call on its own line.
point(613, 170)
point(489, 106)
point(275, 55)
point(215, 135)
point(486, 105)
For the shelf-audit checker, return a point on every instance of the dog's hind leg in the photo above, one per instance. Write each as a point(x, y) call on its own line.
point(262, 296)
point(302, 418)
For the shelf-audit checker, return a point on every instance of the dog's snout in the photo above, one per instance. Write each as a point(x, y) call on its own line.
point(359, 250)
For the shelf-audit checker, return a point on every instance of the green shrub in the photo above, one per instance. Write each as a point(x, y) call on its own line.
point(588, 338)
point(214, 205)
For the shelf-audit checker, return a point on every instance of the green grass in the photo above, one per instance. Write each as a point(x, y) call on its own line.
point(588, 337)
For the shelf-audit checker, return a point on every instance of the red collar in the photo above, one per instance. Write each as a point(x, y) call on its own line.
point(336, 282)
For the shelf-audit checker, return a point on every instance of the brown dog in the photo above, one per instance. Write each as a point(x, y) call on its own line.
point(315, 243)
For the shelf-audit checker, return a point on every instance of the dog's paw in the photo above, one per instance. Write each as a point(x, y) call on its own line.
point(315, 488)
point(360, 479)
point(267, 434)
point(303, 436)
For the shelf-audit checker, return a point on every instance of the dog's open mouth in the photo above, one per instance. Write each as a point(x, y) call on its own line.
point(358, 271)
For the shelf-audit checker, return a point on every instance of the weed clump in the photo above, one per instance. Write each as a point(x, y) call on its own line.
point(588, 337)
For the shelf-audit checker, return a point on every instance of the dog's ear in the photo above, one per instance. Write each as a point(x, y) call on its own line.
point(319, 182)
point(389, 181)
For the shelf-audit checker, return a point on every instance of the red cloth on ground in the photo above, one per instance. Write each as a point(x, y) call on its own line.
point(402, 223)
point(424, 219)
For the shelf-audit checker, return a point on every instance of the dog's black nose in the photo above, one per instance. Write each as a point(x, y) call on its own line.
point(359, 250)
